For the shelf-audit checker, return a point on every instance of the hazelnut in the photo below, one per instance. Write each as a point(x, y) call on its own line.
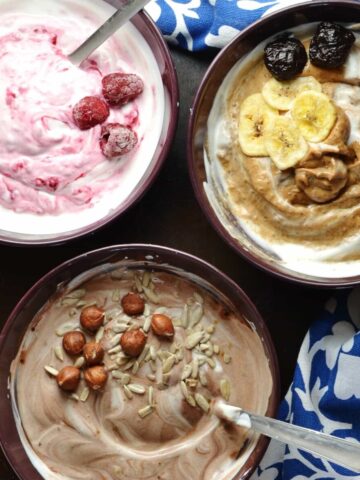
point(96, 377)
point(92, 318)
point(73, 342)
point(93, 353)
point(133, 342)
point(133, 304)
point(68, 378)
point(162, 325)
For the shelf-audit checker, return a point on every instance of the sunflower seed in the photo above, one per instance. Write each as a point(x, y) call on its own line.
point(196, 314)
point(147, 324)
point(193, 339)
point(151, 295)
point(121, 360)
point(151, 377)
point(138, 284)
point(225, 388)
point(198, 297)
point(116, 274)
point(168, 364)
point(143, 354)
point(67, 327)
point(227, 358)
point(202, 378)
point(202, 360)
point(202, 402)
point(204, 346)
point(205, 338)
point(80, 303)
point(113, 314)
point(127, 392)
point(185, 316)
point(146, 279)
point(153, 365)
point(129, 365)
point(75, 397)
point(99, 334)
point(165, 378)
point(112, 366)
point(152, 352)
point(117, 374)
point(186, 371)
point(151, 395)
point(216, 349)
point(210, 350)
point(195, 368)
point(79, 362)
point(210, 329)
point(179, 356)
point(115, 340)
point(135, 367)
point(79, 293)
point(115, 349)
point(136, 388)
point(145, 411)
point(125, 379)
point(115, 297)
point(59, 353)
point(84, 395)
point(51, 370)
point(211, 362)
point(119, 327)
point(188, 397)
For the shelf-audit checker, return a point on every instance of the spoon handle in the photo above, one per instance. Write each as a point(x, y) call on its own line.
point(127, 10)
point(343, 452)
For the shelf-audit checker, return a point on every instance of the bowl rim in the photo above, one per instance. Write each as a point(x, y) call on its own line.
point(289, 275)
point(143, 186)
point(100, 255)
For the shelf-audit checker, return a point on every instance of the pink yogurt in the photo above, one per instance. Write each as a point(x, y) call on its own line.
point(47, 164)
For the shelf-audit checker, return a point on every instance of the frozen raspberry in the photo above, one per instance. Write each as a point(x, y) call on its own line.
point(90, 111)
point(117, 140)
point(121, 88)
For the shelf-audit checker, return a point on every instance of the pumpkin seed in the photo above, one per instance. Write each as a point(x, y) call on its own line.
point(138, 284)
point(211, 362)
point(195, 368)
point(196, 314)
point(146, 310)
point(115, 297)
point(79, 293)
point(198, 297)
point(202, 378)
point(145, 411)
point(179, 356)
point(185, 316)
point(152, 352)
point(227, 358)
point(216, 349)
point(67, 327)
point(135, 367)
point(153, 366)
point(129, 365)
point(73, 312)
point(151, 377)
point(75, 397)
point(210, 329)
point(143, 354)
point(125, 379)
point(168, 364)
point(147, 324)
point(51, 370)
point(115, 349)
point(115, 340)
point(188, 397)
point(202, 402)
point(205, 338)
point(146, 279)
point(151, 395)
point(116, 274)
point(120, 327)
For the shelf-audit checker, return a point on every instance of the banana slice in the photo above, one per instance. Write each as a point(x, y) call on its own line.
point(281, 95)
point(314, 114)
point(284, 143)
point(255, 117)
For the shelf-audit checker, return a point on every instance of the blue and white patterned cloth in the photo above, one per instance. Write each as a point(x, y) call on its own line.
point(199, 24)
point(324, 395)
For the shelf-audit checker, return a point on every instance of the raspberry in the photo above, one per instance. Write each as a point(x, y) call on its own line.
point(117, 140)
point(121, 88)
point(90, 111)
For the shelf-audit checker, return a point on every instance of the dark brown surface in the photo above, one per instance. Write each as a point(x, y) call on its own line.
point(169, 215)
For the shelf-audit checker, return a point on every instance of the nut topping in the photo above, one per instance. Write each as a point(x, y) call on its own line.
point(133, 342)
point(133, 304)
point(93, 353)
point(96, 377)
point(92, 318)
point(162, 325)
point(68, 378)
point(73, 342)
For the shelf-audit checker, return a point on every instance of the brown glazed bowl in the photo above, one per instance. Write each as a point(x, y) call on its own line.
point(281, 20)
point(143, 256)
point(145, 25)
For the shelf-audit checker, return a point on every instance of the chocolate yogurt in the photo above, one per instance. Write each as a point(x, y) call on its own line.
point(142, 408)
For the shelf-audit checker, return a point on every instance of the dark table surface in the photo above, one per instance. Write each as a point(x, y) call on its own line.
point(169, 215)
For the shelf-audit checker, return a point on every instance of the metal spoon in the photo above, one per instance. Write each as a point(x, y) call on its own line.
point(342, 452)
point(127, 10)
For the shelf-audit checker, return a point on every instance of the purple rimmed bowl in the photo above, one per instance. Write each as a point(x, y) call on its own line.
point(112, 210)
point(257, 252)
point(142, 256)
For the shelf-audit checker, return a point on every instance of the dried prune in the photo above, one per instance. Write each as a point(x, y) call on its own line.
point(285, 57)
point(330, 45)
